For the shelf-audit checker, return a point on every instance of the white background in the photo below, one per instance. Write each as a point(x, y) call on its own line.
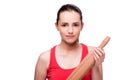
point(27, 29)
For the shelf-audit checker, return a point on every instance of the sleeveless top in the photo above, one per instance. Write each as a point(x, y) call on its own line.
point(55, 72)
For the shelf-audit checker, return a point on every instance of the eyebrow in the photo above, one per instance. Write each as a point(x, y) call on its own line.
point(67, 22)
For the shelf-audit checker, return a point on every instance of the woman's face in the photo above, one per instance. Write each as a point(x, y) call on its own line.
point(69, 26)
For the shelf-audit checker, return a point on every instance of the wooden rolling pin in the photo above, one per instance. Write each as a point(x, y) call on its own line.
point(86, 63)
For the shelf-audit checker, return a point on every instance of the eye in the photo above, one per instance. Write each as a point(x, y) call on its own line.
point(64, 25)
point(75, 24)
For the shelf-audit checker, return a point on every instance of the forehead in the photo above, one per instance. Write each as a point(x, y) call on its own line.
point(69, 16)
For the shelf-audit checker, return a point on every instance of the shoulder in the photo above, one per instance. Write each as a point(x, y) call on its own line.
point(90, 48)
point(45, 55)
point(44, 59)
point(42, 65)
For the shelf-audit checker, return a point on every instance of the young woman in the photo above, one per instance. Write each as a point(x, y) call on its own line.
point(59, 62)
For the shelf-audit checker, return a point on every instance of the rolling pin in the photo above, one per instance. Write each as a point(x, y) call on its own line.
point(86, 63)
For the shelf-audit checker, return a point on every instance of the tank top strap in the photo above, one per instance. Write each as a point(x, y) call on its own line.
point(84, 51)
point(52, 58)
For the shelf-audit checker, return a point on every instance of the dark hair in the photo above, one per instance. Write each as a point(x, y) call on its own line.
point(69, 7)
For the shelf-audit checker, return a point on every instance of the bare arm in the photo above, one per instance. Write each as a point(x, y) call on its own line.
point(41, 67)
point(97, 73)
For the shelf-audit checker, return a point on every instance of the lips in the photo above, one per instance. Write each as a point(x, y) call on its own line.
point(70, 36)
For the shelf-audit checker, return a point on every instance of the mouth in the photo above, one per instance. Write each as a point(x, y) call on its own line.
point(69, 36)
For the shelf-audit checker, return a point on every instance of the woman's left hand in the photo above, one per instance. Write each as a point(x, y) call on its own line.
point(99, 56)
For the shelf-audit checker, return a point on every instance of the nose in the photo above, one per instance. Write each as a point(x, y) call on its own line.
point(70, 30)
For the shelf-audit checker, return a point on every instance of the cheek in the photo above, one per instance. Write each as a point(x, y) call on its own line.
point(62, 32)
point(78, 31)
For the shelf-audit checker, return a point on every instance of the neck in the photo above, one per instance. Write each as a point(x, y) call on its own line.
point(69, 47)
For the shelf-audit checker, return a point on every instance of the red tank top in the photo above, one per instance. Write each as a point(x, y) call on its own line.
point(55, 72)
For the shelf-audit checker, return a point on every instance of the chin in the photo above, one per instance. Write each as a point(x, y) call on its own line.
point(72, 42)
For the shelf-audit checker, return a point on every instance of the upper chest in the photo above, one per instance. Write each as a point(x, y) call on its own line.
point(68, 59)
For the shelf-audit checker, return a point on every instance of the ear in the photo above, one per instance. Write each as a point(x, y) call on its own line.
point(82, 25)
point(56, 25)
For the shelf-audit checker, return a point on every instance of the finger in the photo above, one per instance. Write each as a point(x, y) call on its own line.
point(96, 60)
point(98, 52)
point(97, 57)
point(102, 54)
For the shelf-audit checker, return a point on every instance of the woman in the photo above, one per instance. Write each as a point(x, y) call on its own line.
point(59, 62)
